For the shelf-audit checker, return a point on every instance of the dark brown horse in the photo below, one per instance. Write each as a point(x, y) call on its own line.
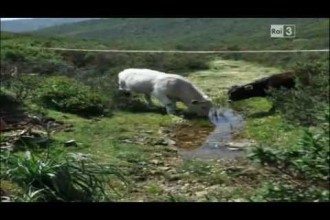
point(259, 87)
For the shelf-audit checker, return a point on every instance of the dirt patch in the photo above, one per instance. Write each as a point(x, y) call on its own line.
point(190, 137)
point(11, 113)
point(20, 129)
point(14, 117)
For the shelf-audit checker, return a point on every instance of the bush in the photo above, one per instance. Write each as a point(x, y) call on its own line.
point(175, 63)
point(73, 178)
point(279, 192)
point(24, 86)
point(301, 166)
point(65, 94)
point(311, 95)
point(108, 83)
point(14, 56)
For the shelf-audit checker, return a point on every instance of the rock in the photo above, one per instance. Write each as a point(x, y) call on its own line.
point(21, 133)
point(234, 169)
point(157, 154)
point(174, 177)
point(163, 131)
point(183, 188)
point(238, 200)
point(127, 141)
point(171, 149)
point(170, 142)
point(156, 162)
point(164, 168)
point(3, 125)
point(71, 143)
point(3, 192)
point(234, 149)
point(38, 132)
point(201, 193)
point(5, 199)
point(159, 142)
point(213, 188)
point(6, 146)
point(240, 145)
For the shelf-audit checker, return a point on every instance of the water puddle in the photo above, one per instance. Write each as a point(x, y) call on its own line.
point(211, 142)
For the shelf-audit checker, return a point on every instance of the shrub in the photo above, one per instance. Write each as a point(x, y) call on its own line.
point(311, 95)
point(14, 56)
point(301, 166)
point(108, 84)
point(65, 94)
point(279, 192)
point(73, 178)
point(24, 86)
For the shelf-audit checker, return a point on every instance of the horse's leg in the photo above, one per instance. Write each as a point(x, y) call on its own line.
point(165, 101)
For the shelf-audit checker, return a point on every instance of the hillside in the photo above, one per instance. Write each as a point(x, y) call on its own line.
point(205, 34)
point(23, 50)
point(24, 25)
point(196, 33)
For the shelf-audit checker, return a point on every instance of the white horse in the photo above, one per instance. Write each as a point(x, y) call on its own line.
point(167, 88)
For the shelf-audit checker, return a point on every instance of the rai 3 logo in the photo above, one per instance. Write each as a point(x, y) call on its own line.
point(283, 31)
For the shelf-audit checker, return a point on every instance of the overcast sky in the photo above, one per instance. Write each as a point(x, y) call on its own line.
point(7, 19)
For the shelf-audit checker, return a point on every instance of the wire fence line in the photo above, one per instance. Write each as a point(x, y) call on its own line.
point(191, 52)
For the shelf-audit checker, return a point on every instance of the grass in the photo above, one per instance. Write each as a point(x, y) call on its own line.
point(226, 73)
point(105, 132)
point(157, 173)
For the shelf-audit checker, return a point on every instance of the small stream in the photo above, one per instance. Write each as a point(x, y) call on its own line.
point(220, 143)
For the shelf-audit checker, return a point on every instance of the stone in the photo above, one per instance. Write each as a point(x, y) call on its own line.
point(155, 161)
point(201, 193)
point(127, 141)
point(171, 149)
point(234, 149)
point(160, 142)
point(157, 154)
point(164, 168)
point(170, 142)
point(3, 125)
point(71, 143)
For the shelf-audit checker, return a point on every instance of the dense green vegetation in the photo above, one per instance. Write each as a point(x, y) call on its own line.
point(186, 34)
point(204, 34)
point(303, 165)
point(288, 162)
point(97, 70)
point(52, 177)
point(67, 95)
point(306, 104)
point(24, 50)
point(198, 33)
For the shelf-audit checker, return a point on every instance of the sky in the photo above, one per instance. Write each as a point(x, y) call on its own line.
point(8, 19)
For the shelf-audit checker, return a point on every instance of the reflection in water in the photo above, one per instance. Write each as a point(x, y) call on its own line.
point(226, 122)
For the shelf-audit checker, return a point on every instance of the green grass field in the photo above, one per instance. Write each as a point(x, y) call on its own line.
point(155, 171)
